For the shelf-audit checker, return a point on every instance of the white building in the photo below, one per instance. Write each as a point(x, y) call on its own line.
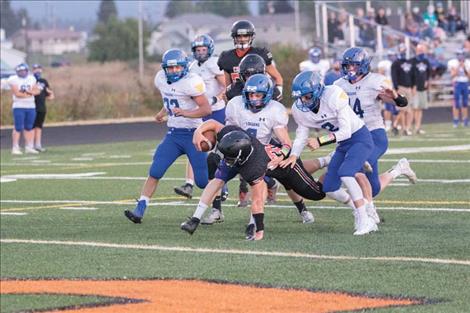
point(49, 41)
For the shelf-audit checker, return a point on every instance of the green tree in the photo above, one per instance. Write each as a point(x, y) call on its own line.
point(116, 40)
point(106, 10)
point(10, 20)
point(225, 7)
point(178, 7)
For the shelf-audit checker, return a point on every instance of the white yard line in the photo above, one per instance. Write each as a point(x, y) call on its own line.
point(427, 149)
point(236, 251)
point(14, 213)
point(185, 204)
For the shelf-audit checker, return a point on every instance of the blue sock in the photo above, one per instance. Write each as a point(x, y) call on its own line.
point(465, 122)
point(140, 208)
point(225, 189)
point(456, 122)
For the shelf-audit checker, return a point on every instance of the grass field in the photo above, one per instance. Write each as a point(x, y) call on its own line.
point(62, 225)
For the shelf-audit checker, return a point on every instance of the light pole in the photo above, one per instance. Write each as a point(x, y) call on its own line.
point(141, 44)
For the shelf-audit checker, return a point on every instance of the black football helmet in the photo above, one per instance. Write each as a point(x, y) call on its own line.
point(236, 147)
point(251, 64)
point(245, 28)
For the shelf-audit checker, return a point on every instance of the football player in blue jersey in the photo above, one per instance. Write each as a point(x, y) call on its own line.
point(184, 103)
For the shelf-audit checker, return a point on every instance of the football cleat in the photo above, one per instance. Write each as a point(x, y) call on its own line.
point(272, 194)
point(307, 217)
point(137, 214)
point(365, 226)
point(40, 149)
point(132, 217)
point(216, 216)
point(190, 225)
point(16, 151)
point(403, 166)
point(186, 191)
point(250, 232)
point(244, 199)
point(29, 150)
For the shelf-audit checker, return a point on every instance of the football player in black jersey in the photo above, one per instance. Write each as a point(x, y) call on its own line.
point(243, 34)
point(243, 154)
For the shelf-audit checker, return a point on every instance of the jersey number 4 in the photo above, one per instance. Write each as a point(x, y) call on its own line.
point(169, 104)
point(357, 108)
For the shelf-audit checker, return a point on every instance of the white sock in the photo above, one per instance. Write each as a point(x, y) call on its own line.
point(323, 162)
point(362, 213)
point(201, 208)
point(190, 181)
point(394, 173)
point(388, 124)
point(252, 219)
point(147, 199)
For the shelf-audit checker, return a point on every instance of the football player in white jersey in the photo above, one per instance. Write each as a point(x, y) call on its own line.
point(315, 63)
point(205, 65)
point(460, 73)
point(185, 103)
point(326, 107)
point(260, 117)
point(24, 88)
point(364, 90)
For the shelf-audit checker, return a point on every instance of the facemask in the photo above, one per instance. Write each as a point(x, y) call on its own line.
point(37, 75)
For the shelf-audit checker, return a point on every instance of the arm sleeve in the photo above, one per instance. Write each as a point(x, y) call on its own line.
point(267, 56)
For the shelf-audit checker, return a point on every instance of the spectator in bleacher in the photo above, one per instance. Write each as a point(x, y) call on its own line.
point(334, 73)
point(403, 83)
point(430, 16)
point(460, 72)
point(466, 45)
point(441, 16)
point(452, 21)
point(381, 18)
point(421, 75)
point(414, 33)
point(334, 29)
point(416, 15)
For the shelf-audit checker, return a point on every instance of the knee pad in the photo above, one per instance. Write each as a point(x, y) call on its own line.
point(213, 161)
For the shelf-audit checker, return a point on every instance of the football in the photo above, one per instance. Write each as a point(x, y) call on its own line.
point(210, 143)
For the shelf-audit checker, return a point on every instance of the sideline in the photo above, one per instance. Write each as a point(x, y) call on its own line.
point(236, 251)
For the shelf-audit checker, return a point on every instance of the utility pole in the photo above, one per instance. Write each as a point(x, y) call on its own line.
point(141, 44)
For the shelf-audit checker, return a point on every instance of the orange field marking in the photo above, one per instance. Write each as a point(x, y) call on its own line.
point(199, 296)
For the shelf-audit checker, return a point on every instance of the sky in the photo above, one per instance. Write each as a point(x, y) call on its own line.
point(86, 10)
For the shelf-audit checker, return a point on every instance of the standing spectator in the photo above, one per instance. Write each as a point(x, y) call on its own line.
point(416, 15)
point(402, 78)
point(24, 88)
point(380, 18)
point(422, 75)
point(430, 17)
point(334, 73)
point(460, 72)
point(40, 100)
point(334, 30)
point(384, 67)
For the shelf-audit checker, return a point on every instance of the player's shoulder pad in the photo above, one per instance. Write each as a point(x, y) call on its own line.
point(195, 83)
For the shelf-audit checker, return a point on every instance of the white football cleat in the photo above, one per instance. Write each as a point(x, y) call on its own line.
point(372, 213)
point(366, 225)
point(29, 150)
point(16, 151)
point(367, 167)
point(307, 217)
point(215, 216)
point(403, 166)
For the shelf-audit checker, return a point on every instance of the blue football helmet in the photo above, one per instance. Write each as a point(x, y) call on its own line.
point(355, 56)
point(202, 41)
point(309, 84)
point(22, 70)
point(175, 57)
point(314, 54)
point(258, 83)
